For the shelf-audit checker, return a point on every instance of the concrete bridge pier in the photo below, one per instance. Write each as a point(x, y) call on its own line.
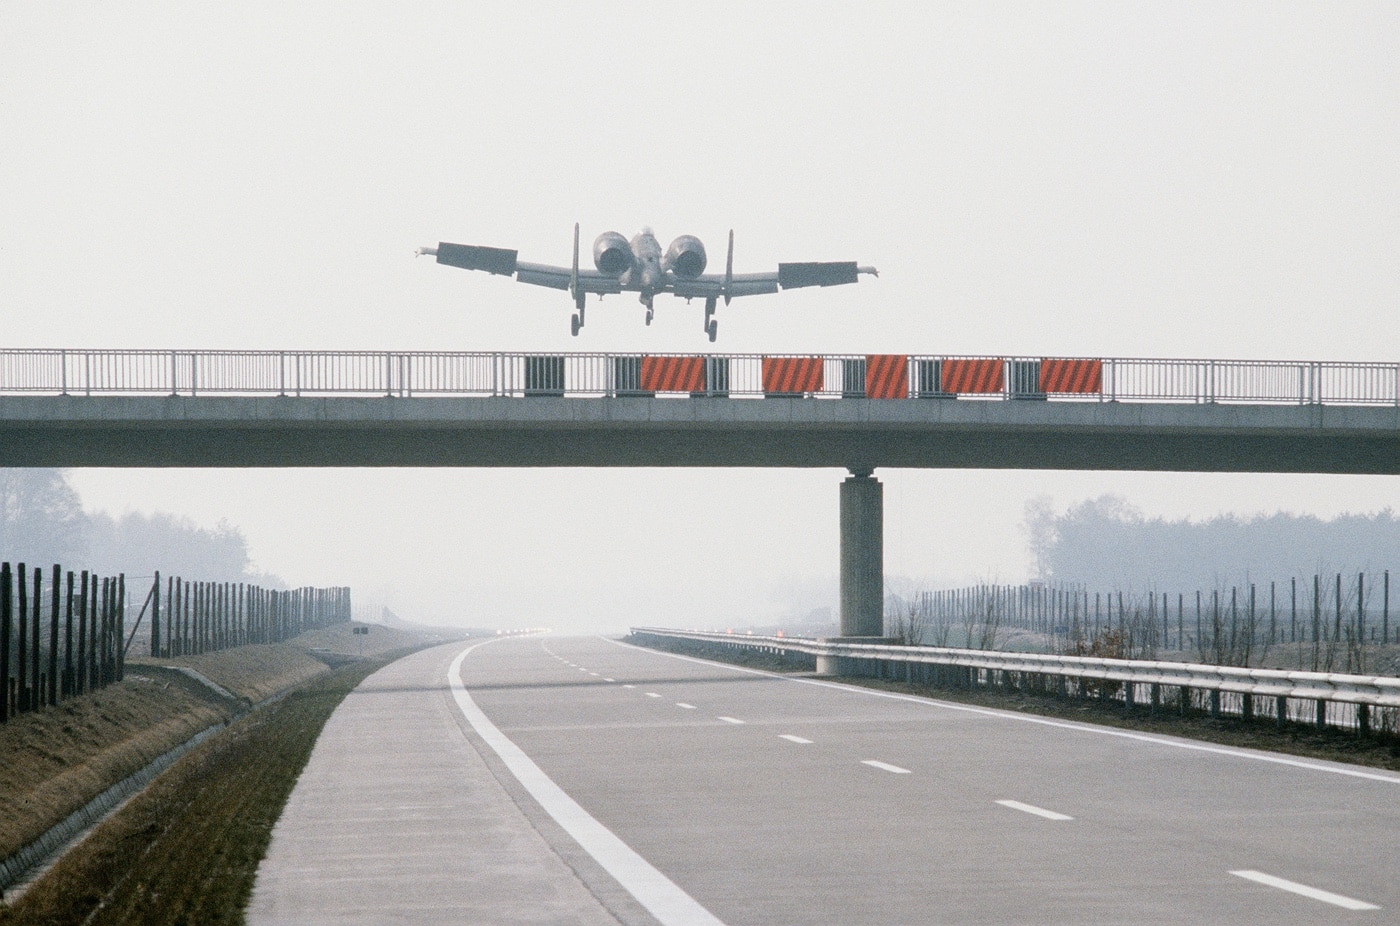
point(862, 566)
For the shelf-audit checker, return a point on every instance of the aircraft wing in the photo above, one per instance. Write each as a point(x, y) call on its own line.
point(504, 262)
point(789, 276)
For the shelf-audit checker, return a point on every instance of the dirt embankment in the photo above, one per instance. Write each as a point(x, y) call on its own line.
point(53, 762)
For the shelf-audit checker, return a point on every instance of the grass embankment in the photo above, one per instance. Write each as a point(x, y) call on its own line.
point(1380, 751)
point(52, 762)
point(186, 849)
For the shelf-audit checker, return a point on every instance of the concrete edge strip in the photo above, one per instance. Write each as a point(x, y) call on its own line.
point(1042, 721)
point(14, 868)
point(661, 897)
point(207, 682)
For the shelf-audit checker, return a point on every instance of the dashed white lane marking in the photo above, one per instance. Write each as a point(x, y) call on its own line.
point(1347, 903)
point(606, 679)
point(885, 766)
point(731, 720)
point(684, 706)
point(629, 686)
point(594, 674)
point(652, 694)
point(1026, 718)
point(794, 739)
point(653, 890)
point(1038, 811)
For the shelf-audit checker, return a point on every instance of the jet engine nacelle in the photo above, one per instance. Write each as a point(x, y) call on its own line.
point(612, 254)
point(685, 257)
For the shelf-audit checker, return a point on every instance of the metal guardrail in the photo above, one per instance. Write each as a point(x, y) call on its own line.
point(1290, 692)
point(444, 373)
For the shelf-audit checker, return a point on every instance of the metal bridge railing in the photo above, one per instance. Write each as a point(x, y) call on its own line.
point(832, 376)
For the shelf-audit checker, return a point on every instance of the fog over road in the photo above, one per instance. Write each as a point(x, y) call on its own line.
point(716, 793)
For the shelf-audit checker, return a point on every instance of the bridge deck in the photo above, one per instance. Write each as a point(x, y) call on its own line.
point(273, 431)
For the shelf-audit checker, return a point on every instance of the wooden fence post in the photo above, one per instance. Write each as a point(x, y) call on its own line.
point(155, 617)
point(94, 678)
point(22, 676)
point(120, 641)
point(53, 633)
point(5, 628)
point(80, 669)
point(104, 634)
point(68, 679)
point(36, 694)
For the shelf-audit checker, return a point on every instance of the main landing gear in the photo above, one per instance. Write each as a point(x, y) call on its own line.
point(579, 297)
point(710, 325)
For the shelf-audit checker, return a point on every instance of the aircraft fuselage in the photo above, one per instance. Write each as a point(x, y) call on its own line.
point(646, 273)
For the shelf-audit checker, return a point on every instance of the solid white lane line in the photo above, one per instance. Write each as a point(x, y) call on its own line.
point(885, 766)
point(1038, 811)
point(653, 890)
point(1294, 887)
point(652, 694)
point(793, 739)
point(688, 707)
point(731, 720)
point(1042, 721)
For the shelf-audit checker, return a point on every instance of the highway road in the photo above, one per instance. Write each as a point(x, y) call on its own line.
point(660, 788)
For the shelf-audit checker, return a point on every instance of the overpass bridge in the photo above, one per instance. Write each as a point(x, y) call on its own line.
point(155, 408)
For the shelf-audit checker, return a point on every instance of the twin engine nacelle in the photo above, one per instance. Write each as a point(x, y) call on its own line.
point(685, 257)
point(613, 255)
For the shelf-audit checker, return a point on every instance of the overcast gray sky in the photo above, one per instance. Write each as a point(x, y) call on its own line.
point(1164, 180)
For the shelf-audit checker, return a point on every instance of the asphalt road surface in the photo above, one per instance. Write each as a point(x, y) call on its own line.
point(608, 783)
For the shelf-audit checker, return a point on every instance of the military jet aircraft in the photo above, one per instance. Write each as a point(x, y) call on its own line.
point(640, 266)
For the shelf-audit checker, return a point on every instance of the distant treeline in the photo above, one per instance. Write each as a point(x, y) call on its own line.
point(1106, 542)
point(42, 518)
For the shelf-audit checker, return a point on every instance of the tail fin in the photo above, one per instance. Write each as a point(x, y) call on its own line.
point(729, 268)
point(573, 275)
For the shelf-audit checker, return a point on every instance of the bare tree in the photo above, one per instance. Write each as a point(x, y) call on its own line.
point(41, 516)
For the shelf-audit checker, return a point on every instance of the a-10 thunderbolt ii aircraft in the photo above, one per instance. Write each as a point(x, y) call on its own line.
point(640, 266)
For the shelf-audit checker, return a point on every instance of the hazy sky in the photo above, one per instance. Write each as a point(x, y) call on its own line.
point(1114, 179)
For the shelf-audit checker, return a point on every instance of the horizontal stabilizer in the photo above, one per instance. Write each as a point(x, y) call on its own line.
point(473, 257)
point(791, 276)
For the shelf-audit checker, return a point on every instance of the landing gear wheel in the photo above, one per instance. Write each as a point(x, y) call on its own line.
point(649, 314)
point(712, 329)
point(577, 324)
